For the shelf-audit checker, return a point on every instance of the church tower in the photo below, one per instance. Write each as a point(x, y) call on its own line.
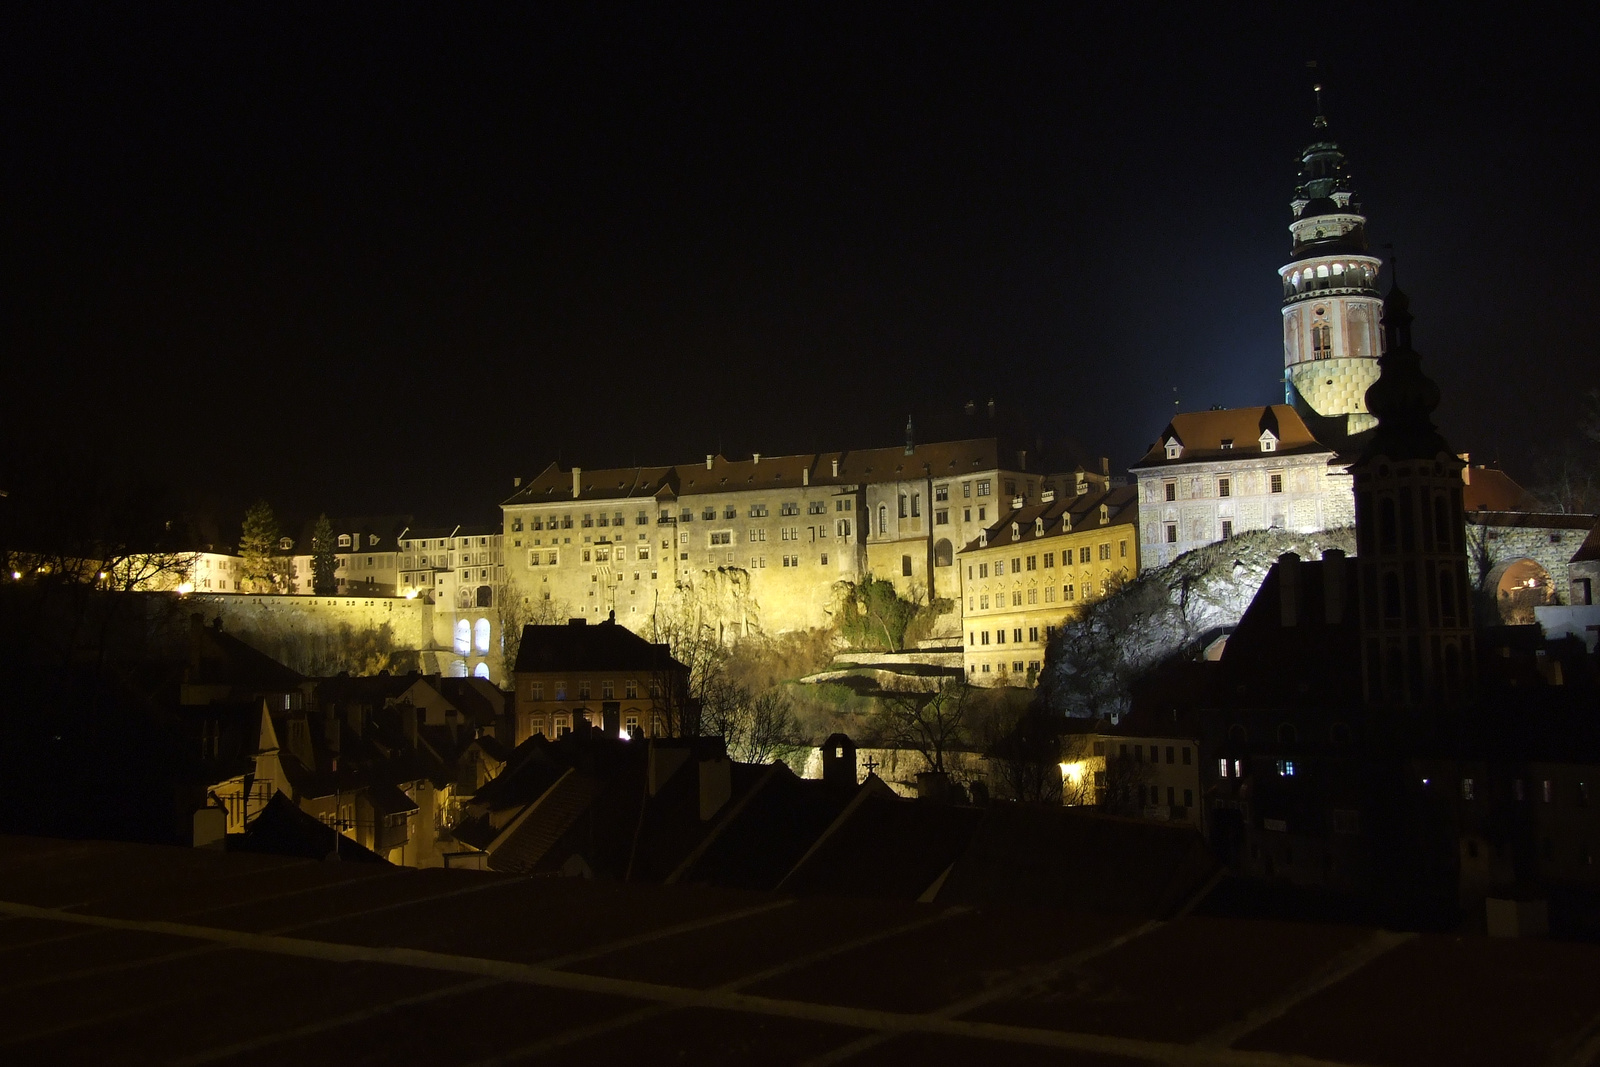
point(1411, 557)
point(1331, 335)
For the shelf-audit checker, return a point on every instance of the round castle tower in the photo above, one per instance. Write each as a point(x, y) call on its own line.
point(1332, 336)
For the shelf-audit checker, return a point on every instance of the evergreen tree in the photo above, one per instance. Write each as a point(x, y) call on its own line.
point(258, 571)
point(324, 582)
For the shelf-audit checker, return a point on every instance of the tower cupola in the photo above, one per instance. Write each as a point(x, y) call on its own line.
point(1331, 338)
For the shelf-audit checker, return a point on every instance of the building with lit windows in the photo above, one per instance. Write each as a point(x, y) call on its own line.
point(459, 570)
point(760, 544)
point(603, 676)
point(1029, 571)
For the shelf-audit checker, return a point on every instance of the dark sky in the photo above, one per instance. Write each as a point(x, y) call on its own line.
point(385, 256)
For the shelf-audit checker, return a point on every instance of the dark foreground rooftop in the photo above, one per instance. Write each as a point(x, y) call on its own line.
point(120, 953)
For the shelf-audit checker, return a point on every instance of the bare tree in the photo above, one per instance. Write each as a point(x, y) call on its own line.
point(1024, 753)
point(514, 609)
point(931, 722)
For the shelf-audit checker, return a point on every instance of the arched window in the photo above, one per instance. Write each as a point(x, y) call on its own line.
point(458, 669)
point(480, 635)
point(481, 671)
point(1441, 522)
point(1386, 523)
point(943, 554)
point(485, 596)
point(463, 638)
point(1391, 596)
point(883, 518)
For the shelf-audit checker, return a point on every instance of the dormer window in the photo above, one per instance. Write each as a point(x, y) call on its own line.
point(1269, 441)
point(983, 538)
point(1174, 448)
point(1227, 444)
point(1016, 531)
point(1105, 515)
point(344, 540)
point(1038, 527)
point(372, 539)
point(285, 544)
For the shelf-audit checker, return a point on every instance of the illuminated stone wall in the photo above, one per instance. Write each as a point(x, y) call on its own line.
point(322, 635)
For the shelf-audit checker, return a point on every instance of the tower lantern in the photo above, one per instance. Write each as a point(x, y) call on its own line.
point(1332, 336)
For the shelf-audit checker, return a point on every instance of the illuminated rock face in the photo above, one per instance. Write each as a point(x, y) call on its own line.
point(1332, 336)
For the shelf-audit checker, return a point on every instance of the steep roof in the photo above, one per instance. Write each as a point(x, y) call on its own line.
point(1232, 433)
point(723, 475)
point(1488, 489)
point(581, 647)
point(1122, 504)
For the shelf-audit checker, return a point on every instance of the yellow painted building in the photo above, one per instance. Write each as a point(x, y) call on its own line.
point(1031, 570)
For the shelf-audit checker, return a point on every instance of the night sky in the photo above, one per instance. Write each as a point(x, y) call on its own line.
point(385, 256)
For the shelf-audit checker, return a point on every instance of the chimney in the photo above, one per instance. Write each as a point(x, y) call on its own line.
point(1466, 469)
point(839, 761)
point(1022, 459)
point(577, 481)
point(836, 466)
point(610, 718)
point(716, 785)
point(1333, 585)
point(516, 483)
point(911, 440)
point(662, 763)
point(709, 458)
point(1105, 466)
point(1288, 589)
point(755, 457)
point(805, 475)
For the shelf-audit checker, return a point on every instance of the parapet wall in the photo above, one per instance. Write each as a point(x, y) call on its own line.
point(323, 635)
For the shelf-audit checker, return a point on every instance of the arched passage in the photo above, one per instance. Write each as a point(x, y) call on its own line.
point(943, 554)
point(1519, 586)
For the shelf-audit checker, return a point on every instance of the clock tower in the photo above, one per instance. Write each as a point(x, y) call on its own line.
point(1332, 310)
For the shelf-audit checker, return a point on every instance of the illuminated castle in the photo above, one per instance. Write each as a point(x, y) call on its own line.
point(1331, 306)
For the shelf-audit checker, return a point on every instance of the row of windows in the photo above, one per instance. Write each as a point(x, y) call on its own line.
point(1223, 485)
point(1019, 597)
point(1137, 753)
point(1172, 531)
point(446, 542)
point(1029, 669)
point(585, 690)
point(1086, 554)
point(981, 637)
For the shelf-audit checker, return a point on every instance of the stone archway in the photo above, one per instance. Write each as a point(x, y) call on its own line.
point(1519, 586)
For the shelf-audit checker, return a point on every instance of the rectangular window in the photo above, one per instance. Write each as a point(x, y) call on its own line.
point(1187, 751)
point(1083, 554)
point(1172, 533)
point(916, 505)
point(537, 691)
point(1033, 596)
point(999, 637)
point(1227, 529)
point(631, 690)
point(1016, 635)
point(999, 568)
point(1016, 598)
point(941, 516)
point(984, 638)
point(1222, 767)
point(583, 690)
point(966, 488)
point(983, 570)
point(608, 690)
point(1049, 594)
point(1172, 490)
point(1033, 633)
point(983, 487)
point(1016, 564)
point(1105, 550)
point(1224, 486)
point(902, 505)
point(1171, 754)
point(1277, 482)
point(941, 493)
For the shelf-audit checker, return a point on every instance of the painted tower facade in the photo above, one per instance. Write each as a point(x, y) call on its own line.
point(1332, 336)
